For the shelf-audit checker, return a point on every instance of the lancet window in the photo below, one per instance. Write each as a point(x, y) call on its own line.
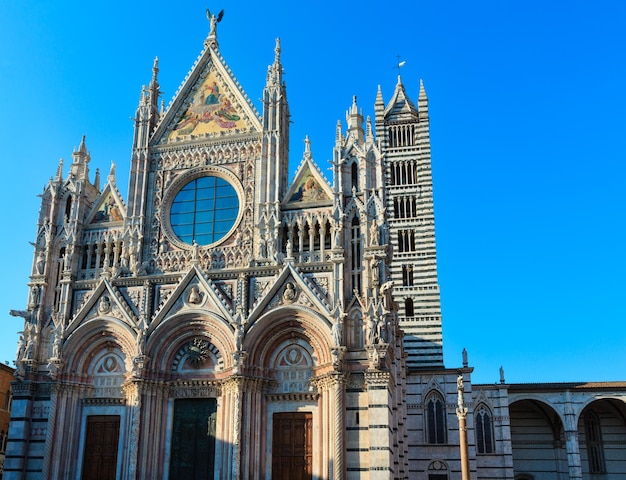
point(435, 419)
point(355, 258)
point(484, 429)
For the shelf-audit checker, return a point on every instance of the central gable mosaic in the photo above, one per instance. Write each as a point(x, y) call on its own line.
point(212, 111)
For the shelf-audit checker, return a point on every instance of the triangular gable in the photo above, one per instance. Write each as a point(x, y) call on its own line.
point(301, 292)
point(209, 103)
point(105, 301)
point(400, 108)
point(108, 208)
point(194, 291)
point(309, 188)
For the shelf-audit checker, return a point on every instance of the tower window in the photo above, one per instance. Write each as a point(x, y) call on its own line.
point(407, 275)
point(408, 308)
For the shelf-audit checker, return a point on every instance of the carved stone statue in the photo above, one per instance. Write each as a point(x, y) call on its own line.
point(56, 343)
point(374, 234)
point(337, 332)
point(239, 337)
point(289, 294)
point(34, 296)
point(194, 295)
point(141, 341)
point(214, 19)
point(372, 331)
point(21, 348)
point(40, 264)
point(464, 354)
point(104, 306)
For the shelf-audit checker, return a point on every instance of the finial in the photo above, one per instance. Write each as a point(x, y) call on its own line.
point(277, 50)
point(354, 109)
point(96, 181)
point(83, 147)
point(307, 144)
point(112, 172)
point(60, 170)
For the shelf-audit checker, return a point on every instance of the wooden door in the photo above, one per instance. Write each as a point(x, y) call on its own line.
point(292, 446)
point(101, 444)
point(193, 439)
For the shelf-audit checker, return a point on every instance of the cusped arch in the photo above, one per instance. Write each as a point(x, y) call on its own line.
point(90, 338)
point(165, 342)
point(272, 328)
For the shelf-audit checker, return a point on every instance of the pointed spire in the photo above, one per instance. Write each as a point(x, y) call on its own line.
point(355, 121)
point(379, 97)
point(307, 147)
point(338, 136)
point(154, 90)
point(111, 178)
point(275, 71)
point(368, 129)
point(379, 105)
point(400, 106)
point(96, 181)
point(277, 51)
point(422, 101)
point(81, 157)
point(60, 171)
point(82, 148)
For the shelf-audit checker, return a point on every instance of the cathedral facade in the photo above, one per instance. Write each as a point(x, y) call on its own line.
point(223, 322)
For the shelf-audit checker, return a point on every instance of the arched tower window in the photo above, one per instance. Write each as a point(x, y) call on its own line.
point(68, 208)
point(355, 258)
point(435, 419)
point(408, 307)
point(407, 275)
point(355, 176)
point(593, 438)
point(484, 430)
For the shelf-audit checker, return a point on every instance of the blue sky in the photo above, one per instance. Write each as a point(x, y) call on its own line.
point(528, 131)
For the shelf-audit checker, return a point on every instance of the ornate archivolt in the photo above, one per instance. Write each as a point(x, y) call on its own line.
point(92, 339)
point(288, 323)
point(191, 339)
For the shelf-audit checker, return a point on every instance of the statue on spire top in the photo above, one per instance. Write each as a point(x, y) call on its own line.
point(214, 19)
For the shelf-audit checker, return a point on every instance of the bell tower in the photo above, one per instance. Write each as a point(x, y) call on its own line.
point(404, 135)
